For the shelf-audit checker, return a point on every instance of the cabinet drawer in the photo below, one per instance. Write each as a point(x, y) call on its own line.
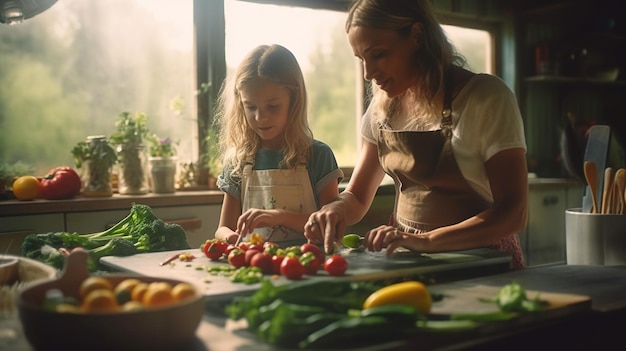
point(13, 230)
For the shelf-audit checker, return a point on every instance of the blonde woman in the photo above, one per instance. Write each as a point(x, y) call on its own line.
point(274, 173)
point(452, 140)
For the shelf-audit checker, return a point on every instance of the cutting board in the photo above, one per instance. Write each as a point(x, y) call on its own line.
point(363, 265)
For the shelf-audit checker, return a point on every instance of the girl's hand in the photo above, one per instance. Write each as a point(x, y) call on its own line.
point(256, 218)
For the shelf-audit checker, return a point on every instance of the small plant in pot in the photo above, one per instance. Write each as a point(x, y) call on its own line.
point(132, 131)
point(163, 164)
point(96, 158)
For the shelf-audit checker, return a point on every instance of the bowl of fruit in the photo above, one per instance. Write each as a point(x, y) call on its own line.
point(79, 311)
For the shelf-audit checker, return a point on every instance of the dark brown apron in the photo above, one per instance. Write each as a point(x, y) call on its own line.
point(431, 191)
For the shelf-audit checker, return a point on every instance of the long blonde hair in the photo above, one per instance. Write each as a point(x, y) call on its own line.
point(434, 57)
point(237, 141)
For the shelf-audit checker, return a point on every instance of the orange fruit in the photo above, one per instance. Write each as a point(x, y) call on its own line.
point(132, 306)
point(158, 294)
point(26, 188)
point(100, 300)
point(93, 283)
point(138, 292)
point(183, 291)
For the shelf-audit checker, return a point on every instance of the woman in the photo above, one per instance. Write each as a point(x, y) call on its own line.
point(452, 140)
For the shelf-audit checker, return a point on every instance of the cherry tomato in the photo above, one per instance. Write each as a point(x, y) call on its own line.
point(308, 247)
point(213, 251)
point(258, 247)
point(244, 246)
point(310, 262)
point(276, 261)
point(249, 254)
point(229, 248)
point(336, 265)
point(237, 257)
point(262, 261)
point(291, 268)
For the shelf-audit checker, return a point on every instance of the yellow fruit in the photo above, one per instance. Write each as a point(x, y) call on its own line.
point(183, 291)
point(26, 188)
point(132, 306)
point(100, 300)
point(138, 292)
point(93, 283)
point(158, 294)
point(411, 293)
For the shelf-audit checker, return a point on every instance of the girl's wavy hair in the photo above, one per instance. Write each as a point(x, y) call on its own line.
point(435, 54)
point(237, 141)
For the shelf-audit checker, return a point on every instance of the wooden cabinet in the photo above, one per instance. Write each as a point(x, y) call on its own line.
point(543, 240)
point(14, 229)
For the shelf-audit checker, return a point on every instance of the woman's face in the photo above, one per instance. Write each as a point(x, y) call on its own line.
point(388, 59)
point(266, 106)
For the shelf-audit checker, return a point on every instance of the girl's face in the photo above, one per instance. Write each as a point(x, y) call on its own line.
point(266, 106)
point(388, 59)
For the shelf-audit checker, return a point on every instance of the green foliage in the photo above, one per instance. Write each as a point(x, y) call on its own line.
point(141, 228)
point(131, 129)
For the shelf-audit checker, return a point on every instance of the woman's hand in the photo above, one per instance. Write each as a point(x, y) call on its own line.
point(327, 225)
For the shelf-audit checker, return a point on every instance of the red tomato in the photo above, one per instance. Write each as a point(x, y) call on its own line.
point(257, 247)
point(60, 183)
point(336, 265)
point(291, 268)
point(262, 261)
point(244, 246)
point(310, 262)
point(249, 254)
point(229, 248)
point(308, 247)
point(212, 251)
point(237, 257)
point(276, 261)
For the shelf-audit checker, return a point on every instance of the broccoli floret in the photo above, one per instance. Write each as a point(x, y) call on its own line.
point(141, 228)
point(115, 247)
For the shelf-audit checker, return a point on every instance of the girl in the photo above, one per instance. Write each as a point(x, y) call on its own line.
point(274, 173)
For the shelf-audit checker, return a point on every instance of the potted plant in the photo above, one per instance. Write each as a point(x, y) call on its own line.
point(129, 138)
point(98, 157)
point(163, 164)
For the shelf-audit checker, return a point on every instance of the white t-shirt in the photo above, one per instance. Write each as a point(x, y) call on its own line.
point(485, 120)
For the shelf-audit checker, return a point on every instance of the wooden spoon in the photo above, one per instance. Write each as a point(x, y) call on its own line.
point(608, 190)
point(620, 183)
point(591, 175)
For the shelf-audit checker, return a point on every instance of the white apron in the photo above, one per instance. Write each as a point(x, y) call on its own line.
point(278, 189)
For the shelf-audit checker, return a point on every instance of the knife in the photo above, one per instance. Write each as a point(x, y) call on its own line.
point(596, 152)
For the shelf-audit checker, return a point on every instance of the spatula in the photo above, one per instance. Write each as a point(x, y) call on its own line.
point(620, 185)
point(591, 175)
point(607, 190)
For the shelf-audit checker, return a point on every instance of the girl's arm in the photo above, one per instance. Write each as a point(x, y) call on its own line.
point(231, 210)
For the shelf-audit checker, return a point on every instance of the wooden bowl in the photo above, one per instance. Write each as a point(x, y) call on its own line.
point(9, 270)
point(171, 327)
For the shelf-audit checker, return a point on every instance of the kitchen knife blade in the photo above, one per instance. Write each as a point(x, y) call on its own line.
point(596, 151)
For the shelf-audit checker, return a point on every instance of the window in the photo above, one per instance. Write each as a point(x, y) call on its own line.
point(70, 71)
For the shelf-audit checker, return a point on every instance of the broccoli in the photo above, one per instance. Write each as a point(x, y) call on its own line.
point(142, 229)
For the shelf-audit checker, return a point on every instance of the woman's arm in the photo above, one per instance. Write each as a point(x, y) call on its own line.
point(231, 210)
point(508, 178)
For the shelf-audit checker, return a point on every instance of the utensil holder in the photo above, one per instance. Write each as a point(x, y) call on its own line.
point(595, 239)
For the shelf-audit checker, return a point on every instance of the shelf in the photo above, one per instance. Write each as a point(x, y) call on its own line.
point(575, 80)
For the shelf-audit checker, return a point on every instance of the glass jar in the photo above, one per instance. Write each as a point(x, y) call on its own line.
point(132, 174)
point(96, 174)
point(163, 174)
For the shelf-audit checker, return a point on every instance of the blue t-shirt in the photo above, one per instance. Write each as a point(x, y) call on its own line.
point(321, 166)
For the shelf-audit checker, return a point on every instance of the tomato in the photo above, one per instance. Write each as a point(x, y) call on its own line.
point(212, 251)
point(276, 261)
point(310, 263)
point(229, 248)
point(291, 268)
point(244, 246)
point(270, 248)
point(26, 188)
point(258, 247)
point(60, 183)
point(262, 261)
point(336, 265)
point(237, 257)
point(249, 254)
point(308, 247)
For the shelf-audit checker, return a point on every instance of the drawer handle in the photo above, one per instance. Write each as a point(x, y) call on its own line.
point(550, 200)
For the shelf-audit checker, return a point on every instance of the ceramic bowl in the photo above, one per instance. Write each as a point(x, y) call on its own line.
point(9, 270)
point(172, 327)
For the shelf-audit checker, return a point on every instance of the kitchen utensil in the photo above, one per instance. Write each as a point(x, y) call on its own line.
point(607, 190)
point(591, 175)
point(596, 151)
point(620, 184)
point(171, 327)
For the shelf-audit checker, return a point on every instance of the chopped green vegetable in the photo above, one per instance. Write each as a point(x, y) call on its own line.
point(141, 229)
point(512, 298)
